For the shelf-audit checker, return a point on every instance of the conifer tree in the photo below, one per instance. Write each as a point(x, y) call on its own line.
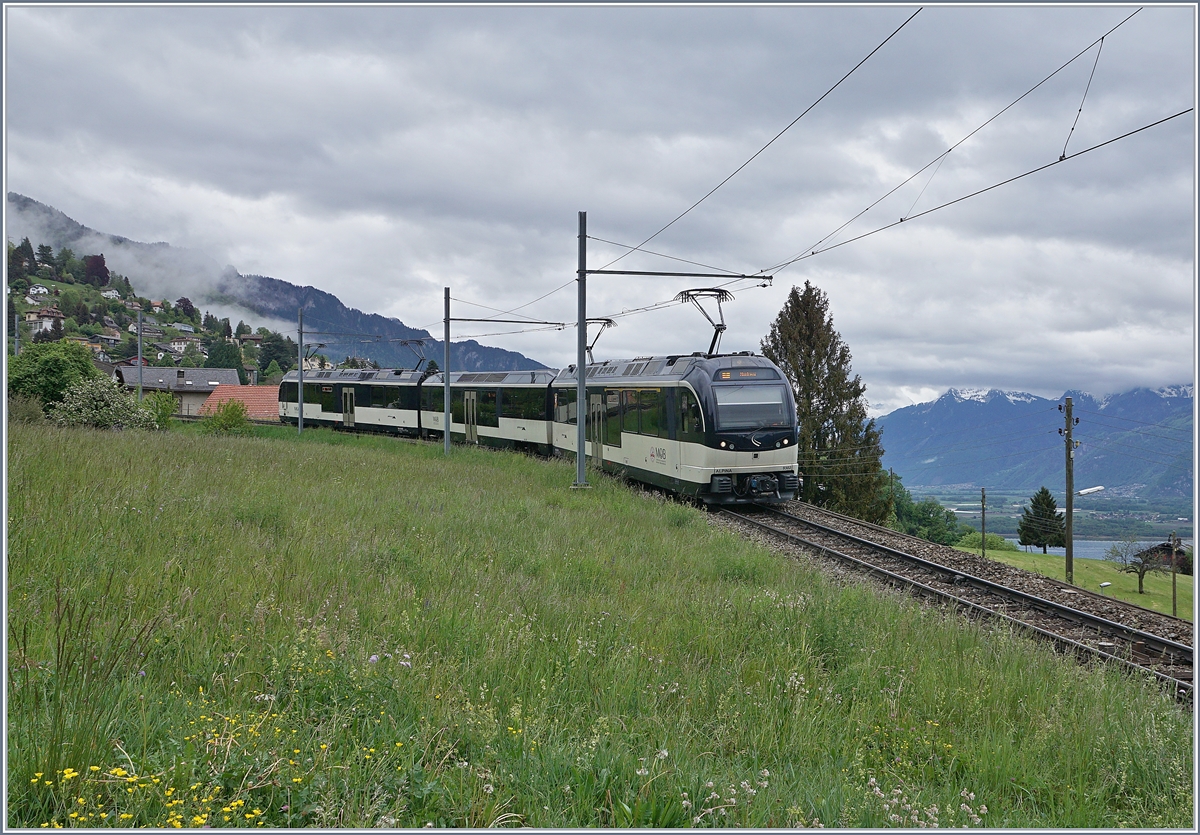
point(839, 448)
point(1041, 524)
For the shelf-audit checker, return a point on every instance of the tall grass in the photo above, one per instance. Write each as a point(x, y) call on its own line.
point(348, 631)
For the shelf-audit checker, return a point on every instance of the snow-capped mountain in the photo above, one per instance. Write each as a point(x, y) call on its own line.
point(1010, 440)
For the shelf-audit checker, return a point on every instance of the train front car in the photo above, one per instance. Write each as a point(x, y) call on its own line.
point(721, 429)
point(749, 413)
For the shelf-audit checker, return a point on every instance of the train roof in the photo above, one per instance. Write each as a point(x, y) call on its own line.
point(660, 369)
point(541, 377)
point(626, 371)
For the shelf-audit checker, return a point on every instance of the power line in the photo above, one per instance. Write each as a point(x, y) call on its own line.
point(633, 249)
point(943, 155)
point(984, 190)
point(1085, 92)
point(1131, 420)
point(764, 147)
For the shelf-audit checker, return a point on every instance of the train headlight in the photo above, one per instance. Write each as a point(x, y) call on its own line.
point(723, 445)
point(785, 441)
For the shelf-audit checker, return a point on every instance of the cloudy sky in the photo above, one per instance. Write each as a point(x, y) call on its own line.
point(383, 153)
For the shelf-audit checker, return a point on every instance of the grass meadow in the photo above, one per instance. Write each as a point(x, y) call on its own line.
point(1089, 574)
point(353, 631)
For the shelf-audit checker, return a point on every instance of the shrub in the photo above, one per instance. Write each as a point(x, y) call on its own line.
point(23, 409)
point(995, 542)
point(229, 418)
point(161, 406)
point(46, 370)
point(102, 404)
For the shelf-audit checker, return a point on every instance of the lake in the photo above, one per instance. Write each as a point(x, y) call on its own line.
point(1089, 549)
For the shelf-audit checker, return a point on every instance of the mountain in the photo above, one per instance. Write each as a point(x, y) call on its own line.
point(159, 270)
point(1135, 443)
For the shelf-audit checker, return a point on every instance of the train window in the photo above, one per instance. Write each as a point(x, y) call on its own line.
point(690, 428)
point(564, 405)
point(312, 394)
point(456, 407)
point(287, 392)
point(653, 408)
point(612, 417)
point(485, 408)
point(523, 404)
point(629, 405)
point(751, 407)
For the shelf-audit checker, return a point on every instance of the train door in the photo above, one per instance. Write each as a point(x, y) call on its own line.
point(595, 426)
point(348, 407)
point(471, 416)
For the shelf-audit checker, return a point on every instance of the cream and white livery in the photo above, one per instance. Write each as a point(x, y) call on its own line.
point(719, 428)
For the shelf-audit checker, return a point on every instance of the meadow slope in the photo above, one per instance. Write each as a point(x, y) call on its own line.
point(356, 631)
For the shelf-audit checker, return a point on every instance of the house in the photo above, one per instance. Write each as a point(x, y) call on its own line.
point(44, 319)
point(148, 331)
point(262, 402)
point(39, 290)
point(162, 349)
point(253, 338)
point(156, 306)
point(110, 294)
point(189, 386)
point(30, 300)
point(182, 327)
point(108, 339)
point(180, 343)
point(109, 322)
point(1161, 554)
point(132, 305)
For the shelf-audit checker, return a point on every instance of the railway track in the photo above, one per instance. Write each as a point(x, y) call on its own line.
point(1130, 636)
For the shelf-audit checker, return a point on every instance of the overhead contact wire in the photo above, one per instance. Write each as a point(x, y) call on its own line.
point(764, 147)
point(943, 155)
point(989, 188)
point(1081, 101)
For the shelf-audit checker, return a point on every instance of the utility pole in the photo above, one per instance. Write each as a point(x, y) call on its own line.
point(446, 379)
point(581, 362)
point(16, 334)
point(1174, 548)
point(1070, 487)
point(983, 519)
point(139, 356)
point(300, 366)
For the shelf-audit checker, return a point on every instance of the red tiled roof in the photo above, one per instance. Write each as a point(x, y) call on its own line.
point(262, 402)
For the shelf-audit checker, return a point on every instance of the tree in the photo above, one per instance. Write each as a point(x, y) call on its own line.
point(45, 254)
point(1133, 557)
point(46, 370)
point(94, 270)
point(1041, 524)
point(277, 349)
point(431, 368)
point(223, 354)
point(926, 518)
point(21, 259)
point(838, 447)
point(186, 307)
point(165, 361)
point(272, 373)
point(192, 358)
point(210, 322)
point(242, 328)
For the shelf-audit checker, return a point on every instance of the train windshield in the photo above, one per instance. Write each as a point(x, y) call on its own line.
point(751, 407)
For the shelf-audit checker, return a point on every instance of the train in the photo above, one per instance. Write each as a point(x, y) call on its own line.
point(720, 429)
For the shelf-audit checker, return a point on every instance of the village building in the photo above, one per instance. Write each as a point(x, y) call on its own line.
point(44, 319)
point(262, 402)
point(190, 387)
